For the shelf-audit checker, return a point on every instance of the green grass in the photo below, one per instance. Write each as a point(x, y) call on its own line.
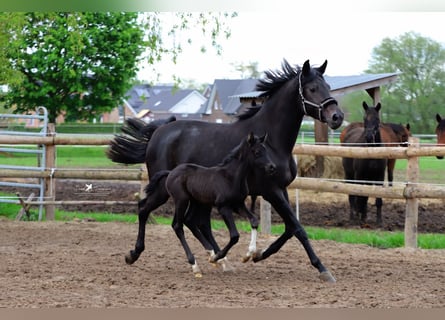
point(66, 156)
point(379, 239)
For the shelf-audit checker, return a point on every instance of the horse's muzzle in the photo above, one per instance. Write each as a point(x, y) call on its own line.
point(335, 120)
point(270, 169)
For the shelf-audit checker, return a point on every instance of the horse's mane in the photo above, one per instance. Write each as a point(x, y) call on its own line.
point(248, 113)
point(273, 80)
point(233, 154)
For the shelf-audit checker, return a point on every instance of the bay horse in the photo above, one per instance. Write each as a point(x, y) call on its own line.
point(440, 132)
point(290, 94)
point(366, 171)
point(223, 186)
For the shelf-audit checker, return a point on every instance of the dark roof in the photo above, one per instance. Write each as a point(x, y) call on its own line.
point(345, 84)
point(140, 94)
point(226, 89)
point(165, 100)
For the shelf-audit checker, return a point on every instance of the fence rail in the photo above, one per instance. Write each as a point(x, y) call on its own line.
point(411, 191)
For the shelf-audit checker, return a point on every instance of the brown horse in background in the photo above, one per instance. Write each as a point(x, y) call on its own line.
point(365, 171)
point(391, 134)
point(440, 132)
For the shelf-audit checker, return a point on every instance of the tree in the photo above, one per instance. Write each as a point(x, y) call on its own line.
point(249, 70)
point(82, 64)
point(418, 94)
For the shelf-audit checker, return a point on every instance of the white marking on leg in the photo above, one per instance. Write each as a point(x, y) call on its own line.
point(196, 270)
point(211, 253)
point(252, 245)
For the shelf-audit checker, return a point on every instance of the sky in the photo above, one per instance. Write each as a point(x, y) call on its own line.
point(344, 38)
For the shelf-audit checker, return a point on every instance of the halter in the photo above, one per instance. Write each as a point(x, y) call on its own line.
point(319, 106)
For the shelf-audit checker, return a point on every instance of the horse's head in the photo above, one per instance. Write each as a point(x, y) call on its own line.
point(371, 122)
point(440, 132)
point(258, 155)
point(314, 92)
point(403, 134)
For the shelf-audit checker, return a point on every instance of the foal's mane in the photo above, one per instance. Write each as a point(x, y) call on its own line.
point(273, 80)
point(233, 154)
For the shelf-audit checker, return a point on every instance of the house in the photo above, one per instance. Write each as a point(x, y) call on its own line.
point(160, 101)
point(218, 103)
point(223, 104)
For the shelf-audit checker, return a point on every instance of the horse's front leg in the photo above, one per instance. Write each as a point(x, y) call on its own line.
point(253, 232)
point(292, 227)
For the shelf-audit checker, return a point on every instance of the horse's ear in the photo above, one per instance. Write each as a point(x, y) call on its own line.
point(250, 138)
point(322, 68)
point(408, 127)
point(306, 68)
point(438, 118)
point(378, 106)
point(365, 105)
point(263, 138)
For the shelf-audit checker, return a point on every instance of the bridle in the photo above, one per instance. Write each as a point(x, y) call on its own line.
point(318, 107)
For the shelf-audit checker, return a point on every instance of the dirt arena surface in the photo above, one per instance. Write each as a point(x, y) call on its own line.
point(81, 264)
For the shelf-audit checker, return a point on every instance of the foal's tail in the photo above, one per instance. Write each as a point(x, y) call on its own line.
point(130, 146)
point(155, 180)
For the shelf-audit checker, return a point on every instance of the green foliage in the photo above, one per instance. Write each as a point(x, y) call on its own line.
point(82, 64)
point(77, 64)
point(352, 106)
point(249, 70)
point(418, 94)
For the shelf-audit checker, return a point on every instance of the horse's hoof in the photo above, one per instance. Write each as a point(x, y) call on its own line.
point(246, 258)
point(129, 258)
point(257, 256)
point(198, 275)
point(327, 277)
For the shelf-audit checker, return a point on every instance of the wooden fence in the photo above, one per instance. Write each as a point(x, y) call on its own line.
point(411, 192)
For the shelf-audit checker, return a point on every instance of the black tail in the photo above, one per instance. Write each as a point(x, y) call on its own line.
point(155, 180)
point(130, 147)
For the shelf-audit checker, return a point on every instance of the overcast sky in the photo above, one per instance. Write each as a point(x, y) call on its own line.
point(345, 39)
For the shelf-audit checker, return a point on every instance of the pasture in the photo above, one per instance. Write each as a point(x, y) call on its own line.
point(81, 264)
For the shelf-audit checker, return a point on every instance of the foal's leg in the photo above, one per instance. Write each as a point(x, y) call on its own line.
point(201, 216)
point(227, 215)
point(146, 206)
point(292, 227)
point(178, 227)
point(197, 219)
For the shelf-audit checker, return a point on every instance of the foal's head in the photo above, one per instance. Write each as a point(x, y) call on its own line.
point(440, 132)
point(253, 150)
point(371, 122)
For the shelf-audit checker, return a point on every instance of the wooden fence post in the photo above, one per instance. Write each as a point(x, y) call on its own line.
point(412, 204)
point(50, 182)
point(265, 217)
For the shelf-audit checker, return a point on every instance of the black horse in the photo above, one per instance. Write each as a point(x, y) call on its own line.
point(290, 94)
point(366, 171)
point(223, 186)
